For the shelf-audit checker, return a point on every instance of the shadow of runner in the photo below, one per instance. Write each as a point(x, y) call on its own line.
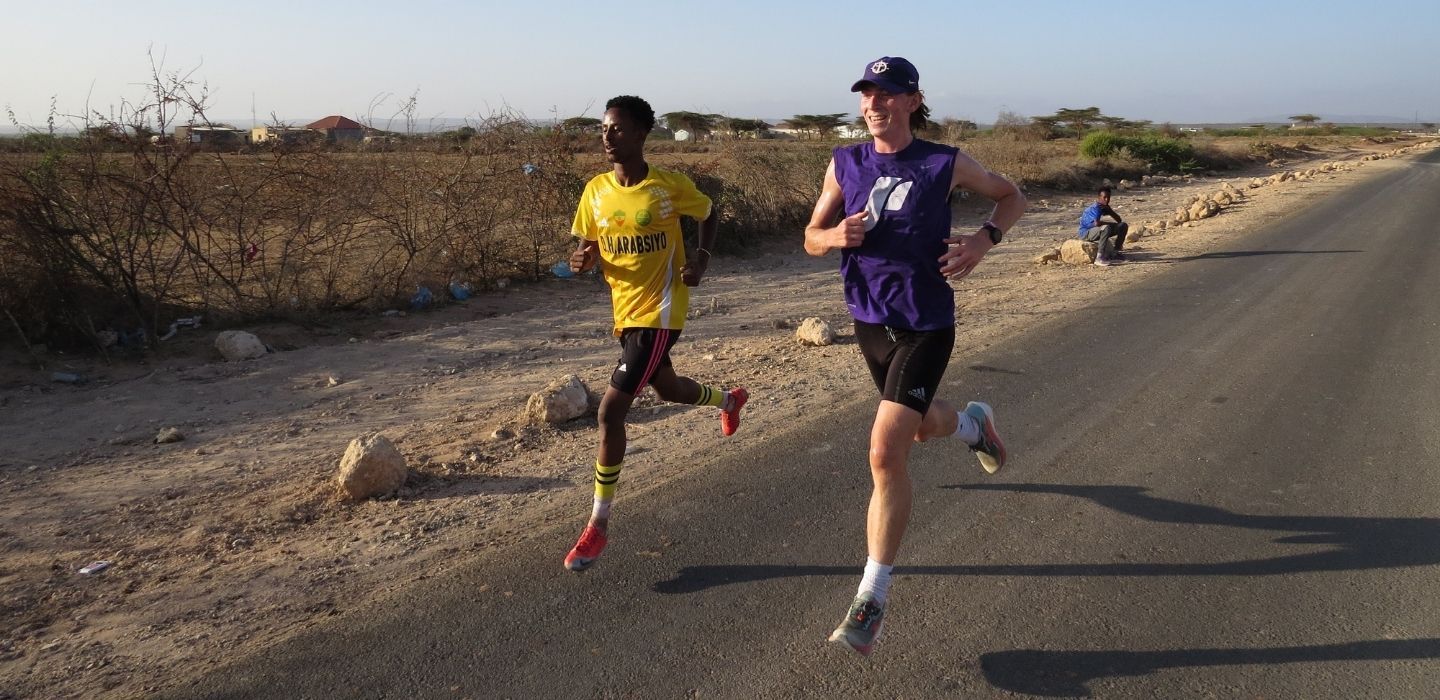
point(1067, 673)
point(1357, 544)
point(1222, 254)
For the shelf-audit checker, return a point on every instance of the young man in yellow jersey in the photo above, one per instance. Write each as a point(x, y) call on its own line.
point(629, 221)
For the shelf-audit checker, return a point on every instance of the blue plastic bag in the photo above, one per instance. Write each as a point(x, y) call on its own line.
point(562, 270)
point(422, 299)
point(459, 291)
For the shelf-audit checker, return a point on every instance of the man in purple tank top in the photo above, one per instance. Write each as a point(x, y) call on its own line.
point(885, 207)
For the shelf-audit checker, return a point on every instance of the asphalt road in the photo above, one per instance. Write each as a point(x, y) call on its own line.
point(1223, 483)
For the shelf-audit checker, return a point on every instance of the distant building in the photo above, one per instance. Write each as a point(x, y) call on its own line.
point(337, 129)
point(218, 136)
point(280, 134)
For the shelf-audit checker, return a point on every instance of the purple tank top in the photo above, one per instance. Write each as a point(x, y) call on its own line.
point(893, 278)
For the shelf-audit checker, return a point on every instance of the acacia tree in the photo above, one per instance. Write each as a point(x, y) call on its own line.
point(1122, 124)
point(693, 122)
point(753, 127)
point(1306, 119)
point(1067, 119)
point(820, 124)
point(575, 125)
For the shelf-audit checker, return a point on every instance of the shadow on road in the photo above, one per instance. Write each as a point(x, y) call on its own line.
point(1223, 254)
point(1067, 673)
point(1356, 543)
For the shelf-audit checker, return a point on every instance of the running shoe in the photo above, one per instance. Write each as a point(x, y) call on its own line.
point(730, 420)
point(587, 550)
point(990, 449)
point(1101, 261)
point(861, 626)
point(1118, 256)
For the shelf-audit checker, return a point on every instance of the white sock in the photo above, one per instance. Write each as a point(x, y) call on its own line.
point(727, 402)
point(876, 581)
point(967, 429)
point(601, 510)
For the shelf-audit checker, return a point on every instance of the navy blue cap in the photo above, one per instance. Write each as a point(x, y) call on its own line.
point(891, 74)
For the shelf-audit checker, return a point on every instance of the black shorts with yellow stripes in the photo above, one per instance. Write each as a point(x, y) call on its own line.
point(643, 351)
point(907, 365)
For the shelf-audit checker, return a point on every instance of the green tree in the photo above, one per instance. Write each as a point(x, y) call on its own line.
point(752, 127)
point(821, 125)
point(1305, 119)
point(1122, 124)
point(694, 122)
point(575, 125)
point(1067, 119)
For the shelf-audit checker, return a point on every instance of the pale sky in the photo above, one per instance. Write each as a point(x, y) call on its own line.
point(1212, 61)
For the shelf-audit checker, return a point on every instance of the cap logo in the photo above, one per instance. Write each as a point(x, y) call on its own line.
point(879, 67)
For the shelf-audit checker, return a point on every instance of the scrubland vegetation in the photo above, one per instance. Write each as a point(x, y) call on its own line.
point(106, 237)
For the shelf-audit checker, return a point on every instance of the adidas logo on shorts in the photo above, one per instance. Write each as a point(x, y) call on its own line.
point(918, 392)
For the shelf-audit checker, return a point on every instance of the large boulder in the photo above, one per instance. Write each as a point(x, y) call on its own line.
point(371, 467)
point(815, 331)
point(239, 345)
point(564, 399)
point(1078, 252)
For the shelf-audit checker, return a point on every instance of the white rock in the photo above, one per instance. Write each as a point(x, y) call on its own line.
point(371, 467)
point(563, 399)
point(815, 331)
point(1077, 252)
point(239, 345)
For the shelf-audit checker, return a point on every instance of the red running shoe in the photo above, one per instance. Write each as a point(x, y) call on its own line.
point(730, 420)
point(587, 550)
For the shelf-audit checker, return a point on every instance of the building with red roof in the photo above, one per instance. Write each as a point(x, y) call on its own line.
point(337, 129)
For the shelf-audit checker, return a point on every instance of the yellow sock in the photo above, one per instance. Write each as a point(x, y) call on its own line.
point(605, 480)
point(711, 396)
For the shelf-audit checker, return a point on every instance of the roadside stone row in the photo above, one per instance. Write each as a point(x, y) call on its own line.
point(1200, 207)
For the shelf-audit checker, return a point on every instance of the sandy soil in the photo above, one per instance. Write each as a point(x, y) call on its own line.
point(230, 539)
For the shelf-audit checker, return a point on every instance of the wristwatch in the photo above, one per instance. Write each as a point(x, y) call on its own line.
point(995, 233)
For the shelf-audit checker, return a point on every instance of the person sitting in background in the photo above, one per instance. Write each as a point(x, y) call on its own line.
point(1094, 228)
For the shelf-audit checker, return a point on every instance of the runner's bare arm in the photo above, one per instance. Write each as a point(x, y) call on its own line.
point(695, 267)
point(1009, 206)
point(820, 236)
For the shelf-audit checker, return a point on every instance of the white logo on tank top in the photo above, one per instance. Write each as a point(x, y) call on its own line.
point(887, 194)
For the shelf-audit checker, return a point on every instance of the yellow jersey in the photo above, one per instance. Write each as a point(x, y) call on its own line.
point(641, 246)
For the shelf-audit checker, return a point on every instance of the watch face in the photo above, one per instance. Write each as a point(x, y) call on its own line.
point(994, 234)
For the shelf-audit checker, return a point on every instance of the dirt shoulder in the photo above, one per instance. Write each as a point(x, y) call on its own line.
point(229, 539)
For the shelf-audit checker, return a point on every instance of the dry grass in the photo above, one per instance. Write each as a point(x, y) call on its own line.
point(105, 236)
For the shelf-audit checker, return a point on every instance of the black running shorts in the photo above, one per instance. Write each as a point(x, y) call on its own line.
point(906, 365)
point(643, 351)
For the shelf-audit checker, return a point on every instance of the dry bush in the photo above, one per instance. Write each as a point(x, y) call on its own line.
point(767, 189)
point(1032, 162)
point(112, 231)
